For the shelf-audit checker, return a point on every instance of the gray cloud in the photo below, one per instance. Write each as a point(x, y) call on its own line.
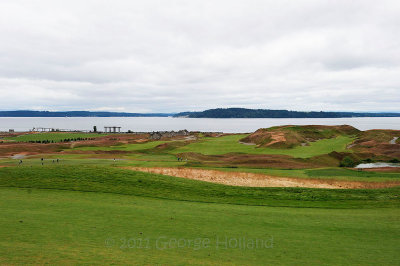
point(157, 56)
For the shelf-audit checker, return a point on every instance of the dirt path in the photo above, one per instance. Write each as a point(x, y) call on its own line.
point(260, 180)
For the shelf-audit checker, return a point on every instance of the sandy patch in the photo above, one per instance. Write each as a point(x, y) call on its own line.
point(19, 155)
point(141, 140)
point(393, 141)
point(247, 143)
point(277, 137)
point(259, 180)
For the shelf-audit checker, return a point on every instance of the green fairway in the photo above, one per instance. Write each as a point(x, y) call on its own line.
point(120, 181)
point(56, 137)
point(64, 227)
point(169, 160)
point(227, 144)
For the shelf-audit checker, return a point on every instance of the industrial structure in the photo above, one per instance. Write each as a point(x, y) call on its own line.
point(113, 129)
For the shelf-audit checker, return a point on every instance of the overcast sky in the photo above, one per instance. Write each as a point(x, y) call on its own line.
point(167, 56)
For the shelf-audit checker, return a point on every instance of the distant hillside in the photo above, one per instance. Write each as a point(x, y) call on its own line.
point(78, 114)
point(212, 113)
point(265, 113)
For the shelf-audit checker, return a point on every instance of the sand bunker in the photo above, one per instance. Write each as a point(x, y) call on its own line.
point(277, 137)
point(393, 141)
point(19, 156)
point(260, 180)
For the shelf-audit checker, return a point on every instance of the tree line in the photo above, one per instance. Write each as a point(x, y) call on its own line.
point(266, 113)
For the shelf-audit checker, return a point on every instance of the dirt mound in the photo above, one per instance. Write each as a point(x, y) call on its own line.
point(291, 136)
point(260, 180)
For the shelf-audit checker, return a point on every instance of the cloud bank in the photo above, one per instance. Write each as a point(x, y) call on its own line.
point(166, 56)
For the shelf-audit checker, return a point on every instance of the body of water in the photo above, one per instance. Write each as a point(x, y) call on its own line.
point(230, 125)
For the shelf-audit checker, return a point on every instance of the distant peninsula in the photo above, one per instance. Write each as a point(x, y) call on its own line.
point(211, 113)
point(266, 113)
point(28, 113)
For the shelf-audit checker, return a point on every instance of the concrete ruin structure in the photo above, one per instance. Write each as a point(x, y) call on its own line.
point(112, 129)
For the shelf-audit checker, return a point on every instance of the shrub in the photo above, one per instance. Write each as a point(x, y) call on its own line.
point(347, 162)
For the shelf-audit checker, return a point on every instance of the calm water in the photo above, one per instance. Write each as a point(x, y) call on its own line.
point(144, 124)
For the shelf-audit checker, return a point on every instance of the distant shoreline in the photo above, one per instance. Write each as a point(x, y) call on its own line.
point(211, 113)
point(197, 117)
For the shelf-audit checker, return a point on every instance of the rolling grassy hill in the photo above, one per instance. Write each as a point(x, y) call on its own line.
point(108, 179)
point(99, 214)
point(227, 144)
point(66, 227)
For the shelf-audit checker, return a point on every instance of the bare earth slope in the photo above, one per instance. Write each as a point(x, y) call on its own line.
point(260, 180)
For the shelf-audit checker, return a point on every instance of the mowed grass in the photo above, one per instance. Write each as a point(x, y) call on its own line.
point(91, 212)
point(108, 179)
point(56, 137)
point(71, 227)
point(228, 144)
point(87, 210)
point(169, 160)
